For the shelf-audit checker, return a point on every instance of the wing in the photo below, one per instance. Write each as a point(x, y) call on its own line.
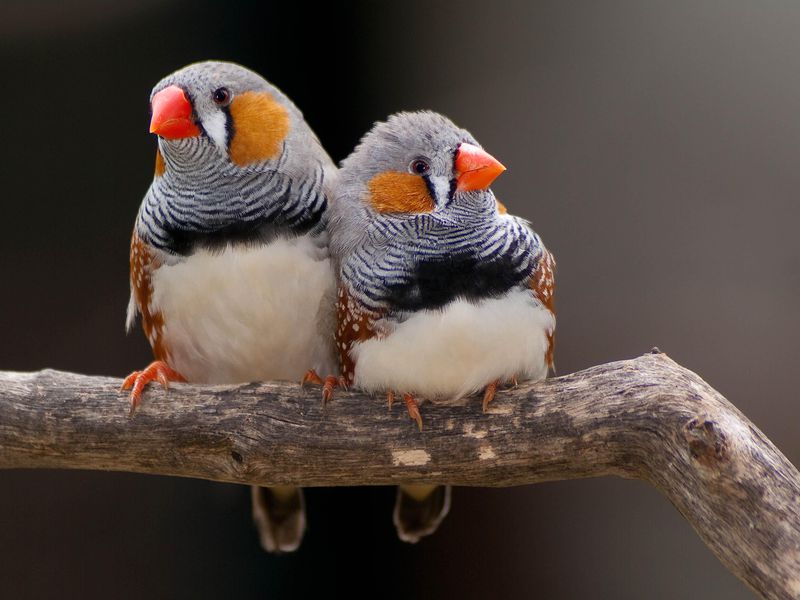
point(354, 323)
point(543, 286)
point(136, 275)
point(142, 264)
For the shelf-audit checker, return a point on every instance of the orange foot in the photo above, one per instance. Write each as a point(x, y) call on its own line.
point(330, 383)
point(411, 406)
point(413, 409)
point(156, 371)
point(489, 392)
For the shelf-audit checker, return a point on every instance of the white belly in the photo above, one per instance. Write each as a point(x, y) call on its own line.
point(248, 314)
point(449, 353)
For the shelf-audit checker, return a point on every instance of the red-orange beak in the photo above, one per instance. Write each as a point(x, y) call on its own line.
point(172, 115)
point(476, 168)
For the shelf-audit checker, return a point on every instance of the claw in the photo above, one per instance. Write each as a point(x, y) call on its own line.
point(128, 381)
point(488, 394)
point(155, 371)
point(311, 377)
point(329, 384)
point(413, 409)
point(162, 379)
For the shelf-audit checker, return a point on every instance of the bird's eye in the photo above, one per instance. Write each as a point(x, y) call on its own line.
point(221, 96)
point(420, 166)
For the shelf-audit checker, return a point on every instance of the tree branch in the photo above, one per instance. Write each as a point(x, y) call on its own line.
point(646, 418)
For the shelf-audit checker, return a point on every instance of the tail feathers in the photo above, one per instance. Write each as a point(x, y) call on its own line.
point(279, 514)
point(419, 509)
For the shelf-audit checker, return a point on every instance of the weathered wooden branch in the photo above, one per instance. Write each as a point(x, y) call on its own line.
point(646, 418)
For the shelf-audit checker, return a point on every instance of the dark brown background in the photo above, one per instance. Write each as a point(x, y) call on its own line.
point(653, 145)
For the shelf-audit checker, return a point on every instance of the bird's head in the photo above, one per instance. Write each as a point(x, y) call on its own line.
point(419, 162)
point(220, 111)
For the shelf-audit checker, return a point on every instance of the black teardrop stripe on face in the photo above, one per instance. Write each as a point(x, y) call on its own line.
point(435, 282)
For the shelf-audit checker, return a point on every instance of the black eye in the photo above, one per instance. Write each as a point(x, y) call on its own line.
point(221, 96)
point(420, 166)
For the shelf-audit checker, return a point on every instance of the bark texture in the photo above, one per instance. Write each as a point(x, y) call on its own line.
point(646, 418)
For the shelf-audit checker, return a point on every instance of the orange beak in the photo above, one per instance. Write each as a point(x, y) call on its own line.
point(476, 168)
point(172, 115)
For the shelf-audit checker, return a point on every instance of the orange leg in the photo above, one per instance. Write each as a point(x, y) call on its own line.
point(489, 392)
point(390, 398)
point(155, 371)
point(413, 409)
point(330, 383)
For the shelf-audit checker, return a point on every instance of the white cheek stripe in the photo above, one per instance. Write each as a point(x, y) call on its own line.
point(449, 353)
point(214, 125)
point(441, 187)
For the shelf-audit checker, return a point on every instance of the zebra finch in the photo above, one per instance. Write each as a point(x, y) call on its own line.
point(229, 264)
point(441, 292)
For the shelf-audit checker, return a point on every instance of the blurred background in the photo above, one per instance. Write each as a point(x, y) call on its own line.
point(654, 146)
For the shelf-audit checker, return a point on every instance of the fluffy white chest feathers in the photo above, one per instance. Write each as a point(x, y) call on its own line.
point(452, 352)
point(248, 313)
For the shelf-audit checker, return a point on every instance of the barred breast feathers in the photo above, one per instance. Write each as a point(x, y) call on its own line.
point(405, 265)
point(200, 197)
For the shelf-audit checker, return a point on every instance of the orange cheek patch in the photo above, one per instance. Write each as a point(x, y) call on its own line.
point(260, 126)
point(501, 208)
point(393, 192)
point(160, 166)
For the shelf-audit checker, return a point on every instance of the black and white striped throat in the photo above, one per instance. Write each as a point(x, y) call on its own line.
point(202, 201)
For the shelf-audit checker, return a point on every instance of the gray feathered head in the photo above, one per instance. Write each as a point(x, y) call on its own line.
point(237, 163)
point(224, 107)
point(415, 166)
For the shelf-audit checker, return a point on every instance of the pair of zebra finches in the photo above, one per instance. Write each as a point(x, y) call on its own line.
point(254, 258)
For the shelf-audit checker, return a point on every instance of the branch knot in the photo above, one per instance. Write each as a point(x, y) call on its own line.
point(708, 444)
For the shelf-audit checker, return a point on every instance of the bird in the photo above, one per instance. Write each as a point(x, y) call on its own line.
point(229, 262)
point(441, 292)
